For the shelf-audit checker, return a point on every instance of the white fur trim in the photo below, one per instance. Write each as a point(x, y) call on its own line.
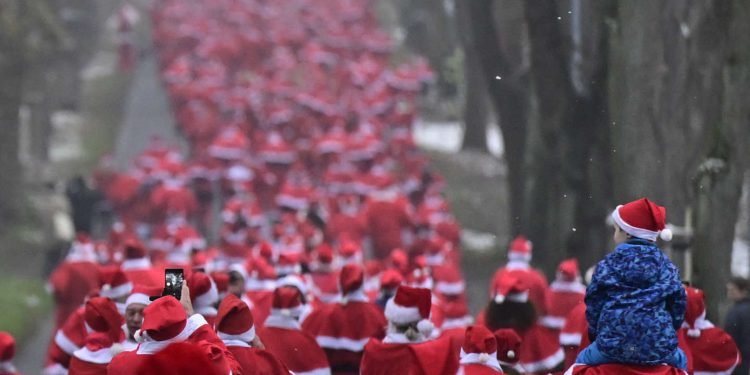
point(238, 343)
point(554, 322)
point(55, 369)
point(209, 298)
point(65, 343)
point(247, 336)
point(631, 230)
point(284, 322)
point(400, 338)
point(425, 327)
point(546, 363)
point(207, 311)
point(101, 356)
point(151, 346)
point(700, 324)
point(401, 315)
point(293, 280)
point(517, 265)
point(571, 339)
point(137, 298)
point(256, 285)
point(317, 371)
point(457, 322)
point(514, 297)
point(342, 343)
point(116, 292)
point(480, 359)
point(355, 296)
point(135, 264)
point(519, 257)
point(450, 288)
point(568, 286)
point(7, 367)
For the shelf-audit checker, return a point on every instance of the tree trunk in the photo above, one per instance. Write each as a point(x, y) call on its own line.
point(475, 110)
point(11, 76)
point(509, 98)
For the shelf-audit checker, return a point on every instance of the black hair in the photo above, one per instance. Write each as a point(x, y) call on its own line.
point(740, 283)
point(516, 315)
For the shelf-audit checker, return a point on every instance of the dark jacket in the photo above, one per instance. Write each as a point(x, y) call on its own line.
point(737, 324)
point(635, 304)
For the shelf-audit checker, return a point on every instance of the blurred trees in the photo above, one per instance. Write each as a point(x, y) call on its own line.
point(601, 102)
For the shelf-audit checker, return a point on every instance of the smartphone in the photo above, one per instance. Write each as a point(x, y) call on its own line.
point(173, 278)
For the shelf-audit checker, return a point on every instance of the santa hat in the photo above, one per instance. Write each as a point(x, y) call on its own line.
point(203, 290)
point(479, 347)
point(234, 320)
point(511, 288)
point(294, 281)
point(101, 315)
point(142, 295)
point(98, 348)
point(164, 319)
point(390, 279)
point(263, 250)
point(520, 249)
point(351, 279)
point(411, 305)
point(134, 249)
point(449, 281)
point(287, 301)
point(324, 253)
point(184, 358)
point(695, 314)
point(399, 260)
point(568, 270)
point(508, 346)
point(642, 219)
point(288, 264)
point(351, 252)
point(7, 347)
point(114, 283)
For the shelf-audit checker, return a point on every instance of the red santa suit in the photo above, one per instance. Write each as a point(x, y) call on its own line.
point(234, 325)
point(164, 323)
point(94, 356)
point(619, 369)
point(399, 354)
point(563, 295)
point(574, 335)
point(260, 286)
point(712, 350)
point(7, 352)
point(137, 266)
point(324, 279)
point(115, 286)
point(283, 337)
point(387, 216)
point(69, 338)
point(74, 279)
point(519, 256)
point(479, 353)
point(343, 330)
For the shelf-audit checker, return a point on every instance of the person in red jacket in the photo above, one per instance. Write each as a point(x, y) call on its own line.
point(166, 321)
point(283, 337)
point(711, 349)
point(7, 352)
point(407, 348)
point(137, 265)
point(343, 330)
point(387, 216)
point(234, 326)
point(479, 353)
point(74, 278)
point(519, 259)
point(563, 295)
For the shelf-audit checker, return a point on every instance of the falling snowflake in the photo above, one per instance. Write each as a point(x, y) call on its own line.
point(498, 77)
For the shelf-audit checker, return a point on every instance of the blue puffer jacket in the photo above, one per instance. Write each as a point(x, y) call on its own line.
point(635, 304)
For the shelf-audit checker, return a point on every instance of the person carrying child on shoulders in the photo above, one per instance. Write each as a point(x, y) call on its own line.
point(636, 302)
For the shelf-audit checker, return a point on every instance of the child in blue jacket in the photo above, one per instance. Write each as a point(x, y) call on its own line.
point(636, 302)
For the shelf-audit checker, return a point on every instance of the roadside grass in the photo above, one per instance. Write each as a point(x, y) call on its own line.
point(24, 302)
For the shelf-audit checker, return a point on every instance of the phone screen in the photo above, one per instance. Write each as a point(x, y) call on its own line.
point(173, 278)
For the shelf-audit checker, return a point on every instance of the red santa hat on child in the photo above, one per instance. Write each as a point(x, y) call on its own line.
point(7, 352)
point(411, 305)
point(643, 219)
point(287, 301)
point(235, 321)
point(511, 288)
point(520, 249)
point(508, 346)
point(695, 314)
point(114, 283)
point(101, 315)
point(479, 347)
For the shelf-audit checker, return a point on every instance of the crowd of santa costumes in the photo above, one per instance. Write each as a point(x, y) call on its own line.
point(336, 251)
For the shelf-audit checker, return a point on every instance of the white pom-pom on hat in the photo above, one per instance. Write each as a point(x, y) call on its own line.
point(666, 234)
point(425, 327)
point(499, 299)
point(693, 332)
point(511, 354)
point(484, 357)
